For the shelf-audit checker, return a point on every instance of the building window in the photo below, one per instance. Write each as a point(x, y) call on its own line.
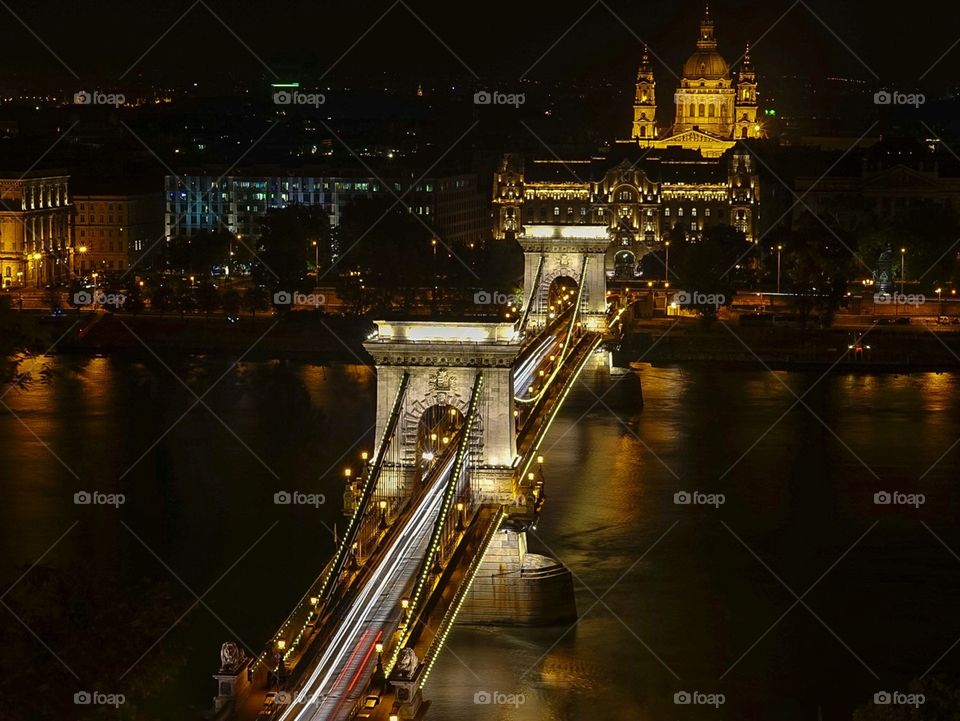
point(693, 212)
point(706, 212)
point(666, 212)
point(680, 212)
point(712, 111)
point(556, 211)
point(702, 110)
point(693, 226)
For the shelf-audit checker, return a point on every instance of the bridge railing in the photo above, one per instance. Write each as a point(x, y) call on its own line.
point(531, 436)
point(453, 609)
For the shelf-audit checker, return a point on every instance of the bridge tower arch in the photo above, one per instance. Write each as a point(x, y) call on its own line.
point(442, 360)
point(573, 251)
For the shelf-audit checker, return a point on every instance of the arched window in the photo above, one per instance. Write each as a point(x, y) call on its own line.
point(712, 112)
point(743, 133)
point(692, 110)
point(702, 110)
point(643, 131)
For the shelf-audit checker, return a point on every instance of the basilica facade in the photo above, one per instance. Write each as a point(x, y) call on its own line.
point(689, 175)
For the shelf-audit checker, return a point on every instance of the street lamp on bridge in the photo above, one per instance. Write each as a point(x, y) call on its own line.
point(779, 252)
point(903, 268)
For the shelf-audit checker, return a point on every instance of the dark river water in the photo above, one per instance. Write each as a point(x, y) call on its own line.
point(673, 598)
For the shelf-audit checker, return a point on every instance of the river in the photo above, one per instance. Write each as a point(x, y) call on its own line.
point(690, 599)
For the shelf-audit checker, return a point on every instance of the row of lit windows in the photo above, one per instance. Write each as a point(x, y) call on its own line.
point(93, 219)
point(693, 212)
point(94, 206)
point(95, 233)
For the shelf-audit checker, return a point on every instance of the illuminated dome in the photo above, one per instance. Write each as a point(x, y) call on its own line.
point(706, 64)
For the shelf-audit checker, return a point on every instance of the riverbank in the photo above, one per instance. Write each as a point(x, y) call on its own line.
point(878, 349)
point(304, 336)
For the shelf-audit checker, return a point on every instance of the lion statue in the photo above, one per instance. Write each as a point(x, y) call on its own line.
point(407, 663)
point(230, 656)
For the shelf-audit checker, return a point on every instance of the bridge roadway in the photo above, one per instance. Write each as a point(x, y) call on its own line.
point(337, 674)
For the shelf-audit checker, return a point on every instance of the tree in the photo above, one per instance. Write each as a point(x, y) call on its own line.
point(817, 265)
point(255, 299)
point(207, 298)
point(706, 269)
point(231, 302)
point(161, 298)
point(134, 298)
point(390, 249)
point(286, 250)
point(51, 298)
point(198, 254)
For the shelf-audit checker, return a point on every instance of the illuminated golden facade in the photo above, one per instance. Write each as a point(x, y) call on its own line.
point(35, 233)
point(712, 112)
point(688, 177)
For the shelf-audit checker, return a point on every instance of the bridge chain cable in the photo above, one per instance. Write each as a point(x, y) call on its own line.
point(369, 487)
point(566, 348)
point(453, 483)
point(533, 294)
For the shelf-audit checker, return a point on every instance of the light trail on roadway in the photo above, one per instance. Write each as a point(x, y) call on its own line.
point(372, 609)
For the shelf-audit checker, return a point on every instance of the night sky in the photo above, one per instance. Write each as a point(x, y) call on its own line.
point(497, 41)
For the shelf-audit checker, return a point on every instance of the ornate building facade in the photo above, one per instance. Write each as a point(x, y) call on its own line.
point(35, 230)
point(690, 175)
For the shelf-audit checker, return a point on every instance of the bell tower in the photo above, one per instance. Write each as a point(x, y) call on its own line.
point(746, 107)
point(645, 103)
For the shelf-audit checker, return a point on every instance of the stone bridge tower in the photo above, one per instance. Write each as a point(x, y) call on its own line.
point(442, 359)
point(556, 254)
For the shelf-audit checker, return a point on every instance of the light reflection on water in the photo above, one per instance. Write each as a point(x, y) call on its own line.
point(681, 609)
point(694, 602)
